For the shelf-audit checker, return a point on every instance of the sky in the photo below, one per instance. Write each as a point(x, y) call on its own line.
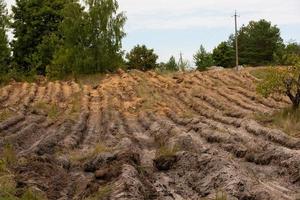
point(174, 26)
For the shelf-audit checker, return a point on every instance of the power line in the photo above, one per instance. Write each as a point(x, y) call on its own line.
point(236, 40)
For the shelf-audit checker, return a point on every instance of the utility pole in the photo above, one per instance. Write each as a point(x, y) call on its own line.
point(236, 41)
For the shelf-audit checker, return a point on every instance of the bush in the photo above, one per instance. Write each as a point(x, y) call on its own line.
point(281, 81)
point(142, 58)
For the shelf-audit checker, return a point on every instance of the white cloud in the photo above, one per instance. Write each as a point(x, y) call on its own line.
point(179, 14)
point(184, 14)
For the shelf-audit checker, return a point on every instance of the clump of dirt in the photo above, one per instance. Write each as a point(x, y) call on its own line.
point(43, 173)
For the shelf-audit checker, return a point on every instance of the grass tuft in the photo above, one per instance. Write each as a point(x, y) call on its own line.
point(75, 101)
point(261, 73)
point(221, 196)
point(288, 120)
point(5, 114)
point(167, 151)
point(51, 110)
point(103, 193)
point(97, 149)
point(151, 97)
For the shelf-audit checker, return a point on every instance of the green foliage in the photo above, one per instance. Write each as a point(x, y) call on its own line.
point(288, 55)
point(281, 81)
point(273, 81)
point(44, 53)
point(224, 55)
point(14, 74)
point(258, 41)
point(4, 48)
point(142, 58)
point(171, 65)
point(92, 39)
point(203, 59)
point(35, 22)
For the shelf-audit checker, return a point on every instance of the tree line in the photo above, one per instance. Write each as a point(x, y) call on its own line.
point(56, 38)
point(260, 43)
point(61, 37)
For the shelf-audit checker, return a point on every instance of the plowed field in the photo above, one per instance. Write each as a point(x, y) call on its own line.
point(149, 136)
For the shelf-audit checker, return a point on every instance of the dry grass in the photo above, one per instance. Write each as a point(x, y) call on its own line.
point(5, 114)
point(51, 110)
point(97, 149)
point(102, 194)
point(288, 120)
point(221, 196)
point(261, 73)
point(75, 104)
point(8, 186)
point(151, 97)
point(167, 151)
point(91, 79)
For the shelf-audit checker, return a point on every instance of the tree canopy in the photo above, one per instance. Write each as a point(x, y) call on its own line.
point(258, 41)
point(142, 58)
point(224, 55)
point(203, 59)
point(34, 21)
point(4, 48)
point(171, 65)
point(282, 81)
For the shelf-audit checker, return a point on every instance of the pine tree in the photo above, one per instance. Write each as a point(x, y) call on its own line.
point(4, 47)
point(203, 59)
point(34, 23)
point(171, 65)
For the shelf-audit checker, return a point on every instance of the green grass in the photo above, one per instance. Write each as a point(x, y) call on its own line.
point(15, 75)
point(288, 120)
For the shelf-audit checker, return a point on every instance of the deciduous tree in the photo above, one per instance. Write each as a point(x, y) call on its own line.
point(282, 81)
point(92, 38)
